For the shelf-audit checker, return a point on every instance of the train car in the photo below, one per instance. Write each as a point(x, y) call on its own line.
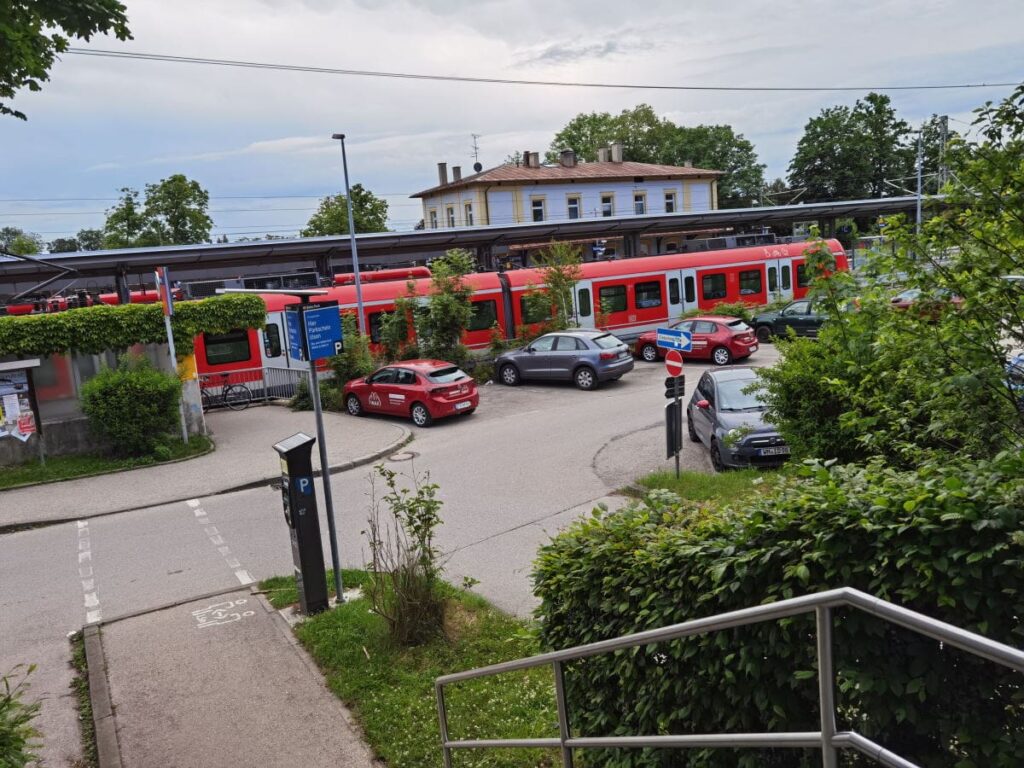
point(383, 275)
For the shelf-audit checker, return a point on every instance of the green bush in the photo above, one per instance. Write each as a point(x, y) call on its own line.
point(132, 406)
point(332, 396)
point(744, 312)
point(17, 735)
point(944, 540)
point(355, 359)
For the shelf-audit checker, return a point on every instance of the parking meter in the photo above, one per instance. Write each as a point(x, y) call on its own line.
point(298, 496)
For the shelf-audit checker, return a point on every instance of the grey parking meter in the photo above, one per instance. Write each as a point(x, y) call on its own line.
point(298, 496)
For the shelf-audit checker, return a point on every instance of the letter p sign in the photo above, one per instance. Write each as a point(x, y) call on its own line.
point(305, 485)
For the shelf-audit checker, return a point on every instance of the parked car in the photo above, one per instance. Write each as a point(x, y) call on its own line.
point(422, 390)
point(716, 337)
point(934, 303)
point(730, 422)
point(1015, 379)
point(802, 316)
point(584, 357)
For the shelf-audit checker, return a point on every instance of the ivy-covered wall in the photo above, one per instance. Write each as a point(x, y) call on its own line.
point(92, 330)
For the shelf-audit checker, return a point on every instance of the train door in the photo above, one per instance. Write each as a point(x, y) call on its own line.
point(688, 278)
point(675, 295)
point(583, 300)
point(780, 284)
point(274, 342)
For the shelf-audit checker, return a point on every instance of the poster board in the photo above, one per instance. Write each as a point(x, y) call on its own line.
point(19, 411)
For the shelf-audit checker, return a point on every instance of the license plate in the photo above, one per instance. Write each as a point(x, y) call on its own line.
point(460, 406)
point(623, 355)
point(780, 450)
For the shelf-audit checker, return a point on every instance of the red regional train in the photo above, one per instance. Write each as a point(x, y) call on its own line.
point(634, 295)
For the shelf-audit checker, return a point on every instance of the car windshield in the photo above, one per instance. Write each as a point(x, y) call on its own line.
point(444, 375)
point(731, 396)
point(738, 326)
point(607, 341)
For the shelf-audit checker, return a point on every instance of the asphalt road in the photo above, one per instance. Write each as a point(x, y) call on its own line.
point(531, 459)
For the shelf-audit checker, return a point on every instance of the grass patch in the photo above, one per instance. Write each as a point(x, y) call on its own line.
point(282, 592)
point(390, 690)
point(717, 487)
point(68, 467)
point(80, 688)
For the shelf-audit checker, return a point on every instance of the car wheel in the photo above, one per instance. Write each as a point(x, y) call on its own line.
point(721, 356)
point(585, 378)
point(509, 375)
point(689, 428)
point(420, 415)
point(649, 353)
point(353, 406)
point(716, 457)
point(764, 333)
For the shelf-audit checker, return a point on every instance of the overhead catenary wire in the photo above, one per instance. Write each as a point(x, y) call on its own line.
point(167, 58)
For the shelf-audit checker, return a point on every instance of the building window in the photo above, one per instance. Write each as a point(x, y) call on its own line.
point(224, 348)
point(648, 295)
point(469, 214)
point(433, 218)
point(750, 282)
point(607, 205)
point(451, 215)
point(785, 277)
point(691, 290)
point(803, 278)
point(485, 315)
point(613, 298)
point(713, 286)
point(537, 206)
point(670, 202)
point(639, 203)
point(673, 291)
point(573, 205)
point(584, 302)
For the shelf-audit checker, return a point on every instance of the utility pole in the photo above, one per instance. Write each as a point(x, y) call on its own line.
point(943, 137)
point(920, 162)
point(352, 236)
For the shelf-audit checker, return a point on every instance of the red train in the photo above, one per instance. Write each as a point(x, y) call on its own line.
point(633, 296)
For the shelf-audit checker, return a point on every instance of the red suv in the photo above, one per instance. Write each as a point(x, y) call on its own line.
point(423, 390)
point(716, 337)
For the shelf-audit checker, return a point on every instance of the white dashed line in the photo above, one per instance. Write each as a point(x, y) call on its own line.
point(215, 537)
point(90, 598)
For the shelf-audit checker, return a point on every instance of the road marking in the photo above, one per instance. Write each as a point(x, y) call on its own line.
point(243, 576)
point(221, 613)
point(216, 539)
point(193, 503)
point(90, 598)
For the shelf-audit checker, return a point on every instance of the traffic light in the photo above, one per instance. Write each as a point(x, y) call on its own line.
point(674, 386)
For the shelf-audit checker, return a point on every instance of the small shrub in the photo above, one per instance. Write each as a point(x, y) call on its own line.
point(404, 585)
point(18, 737)
point(744, 312)
point(132, 406)
point(355, 359)
point(331, 396)
point(483, 372)
point(301, 400)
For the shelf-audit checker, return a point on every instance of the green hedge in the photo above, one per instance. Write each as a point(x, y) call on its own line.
point(92, 330)
point(944, 540)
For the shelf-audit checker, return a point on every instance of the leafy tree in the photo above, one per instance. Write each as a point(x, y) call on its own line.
point(888, 153)
point(127, 225)
point(18, 241)
point(7, 235)
point(441, 323)
point(33, 32)
point(89, 239)
point(63, 245)
point(560, 267)
point(369, 213)
point(176, 210)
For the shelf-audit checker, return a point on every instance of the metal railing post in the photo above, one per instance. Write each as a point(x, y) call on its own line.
point(563, 713)
point(442, 719)
point(826, 687)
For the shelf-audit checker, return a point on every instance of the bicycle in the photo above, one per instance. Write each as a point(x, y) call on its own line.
point(235, 396)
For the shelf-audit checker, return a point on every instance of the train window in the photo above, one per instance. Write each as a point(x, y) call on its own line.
point(673, 291)
point(773, 279)
point(803, 278)
point(612, 298)
point(785, 277)
point(713, 286)
point(648, 294)
point(272, 340)
point(224, 348)
point(750, 282)
point(584, 302)
point(485, 315)
point(691, 290)
point(375, 322)
point(534, 311)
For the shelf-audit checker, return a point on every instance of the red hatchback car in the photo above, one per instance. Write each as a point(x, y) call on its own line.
point(421, 389)
point(717, 338)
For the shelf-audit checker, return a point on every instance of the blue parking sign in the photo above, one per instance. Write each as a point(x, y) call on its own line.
point(323, 330)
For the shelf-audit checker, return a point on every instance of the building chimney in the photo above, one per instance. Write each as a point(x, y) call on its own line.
point(603, 155)
point(617, 152)
point(568, 158)
point(442, 173)
point(534, 160)
point(526, 158)
point(456, 173)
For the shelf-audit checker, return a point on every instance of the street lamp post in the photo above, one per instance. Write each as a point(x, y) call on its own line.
point(352, 235)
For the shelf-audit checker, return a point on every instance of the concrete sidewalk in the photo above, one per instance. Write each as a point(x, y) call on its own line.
point(244, 457)
point(219, 681)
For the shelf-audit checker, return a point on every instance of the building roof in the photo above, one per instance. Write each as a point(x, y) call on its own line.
point(510, 173)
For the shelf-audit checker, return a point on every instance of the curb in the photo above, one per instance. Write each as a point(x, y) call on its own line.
point(262, 483)
point(108, 751)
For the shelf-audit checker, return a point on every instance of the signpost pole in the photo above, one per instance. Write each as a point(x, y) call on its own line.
point(163, 288)
point(679, 425)
point(325, 467)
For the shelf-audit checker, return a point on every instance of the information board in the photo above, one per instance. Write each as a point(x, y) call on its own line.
point(323, 330)
point(18, 418)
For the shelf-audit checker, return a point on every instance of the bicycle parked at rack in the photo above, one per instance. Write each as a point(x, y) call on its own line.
point(235, 396)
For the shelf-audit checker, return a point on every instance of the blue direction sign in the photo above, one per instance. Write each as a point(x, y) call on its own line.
point(295, 350)
point(672, 338)
point(323, 330)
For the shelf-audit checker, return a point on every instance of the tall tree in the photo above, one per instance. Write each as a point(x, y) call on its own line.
point(64, 245)
point(369, 213)
point(33, 32)
point(177, 211)
point(719, 148)
point(642, 134)
point(885, 142)
point(127, 225)
point(89, 239)
point(17, 240)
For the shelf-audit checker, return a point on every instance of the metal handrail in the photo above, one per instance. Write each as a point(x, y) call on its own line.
point(828, 739)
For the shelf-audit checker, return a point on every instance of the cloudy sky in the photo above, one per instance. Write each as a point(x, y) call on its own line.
point(259, 140)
